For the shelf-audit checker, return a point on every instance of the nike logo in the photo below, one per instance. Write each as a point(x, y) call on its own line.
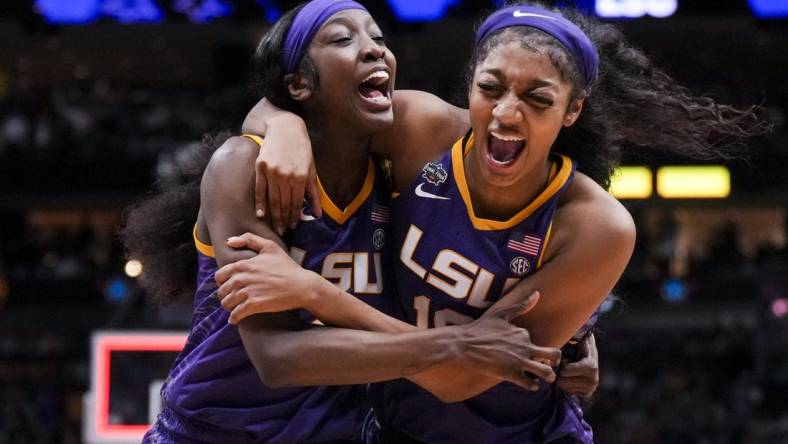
point(519, 13)
point(305, 217)
point(422, 193)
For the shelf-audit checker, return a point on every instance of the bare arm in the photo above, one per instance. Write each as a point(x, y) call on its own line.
point(286, 352)
point(273, 282)
point(577, 277)
point(585, 258)
point(424, 127)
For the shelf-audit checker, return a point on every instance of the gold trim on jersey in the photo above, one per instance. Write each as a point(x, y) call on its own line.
point(458, 153)
point(205, 249)
point(256, 139)
point(341, 216)
point(544, 245)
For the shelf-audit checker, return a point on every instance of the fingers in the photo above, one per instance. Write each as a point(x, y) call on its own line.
point(225, 273)
point(275, 208)
point(285, 205)
point(240, 312)
point(313, 194)
point(525, 306)
point(249, 241)
point(233, 299)
point(297, 191)
point(577, 386)
point(260, 188)
point(539, 369)
point(575, 369)
point(517, 309)
point(547, 355)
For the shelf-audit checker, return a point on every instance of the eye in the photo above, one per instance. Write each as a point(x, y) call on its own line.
point(380, 40)
point(342, 40)
point(542, 101)
point(490, 88)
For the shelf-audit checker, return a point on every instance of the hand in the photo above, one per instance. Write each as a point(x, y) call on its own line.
point(497, 348)
point(284, 172)
point(270, 282)
point(581, 378)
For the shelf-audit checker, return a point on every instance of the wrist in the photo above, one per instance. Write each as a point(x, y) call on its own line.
point(312, 290)
point(285, 120)
point(455, 343)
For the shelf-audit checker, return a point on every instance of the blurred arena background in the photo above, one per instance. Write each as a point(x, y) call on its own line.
point(100, 99)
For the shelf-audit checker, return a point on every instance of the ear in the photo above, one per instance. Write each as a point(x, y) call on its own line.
point(574, 110)
point(298, 86)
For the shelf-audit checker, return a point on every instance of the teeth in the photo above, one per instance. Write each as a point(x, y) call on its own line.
point(379, 99)
point(377, 75)
point(507, 138)
point(498, 162)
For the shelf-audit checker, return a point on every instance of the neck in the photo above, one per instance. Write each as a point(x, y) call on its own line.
point(502, 203)
point(341, 156)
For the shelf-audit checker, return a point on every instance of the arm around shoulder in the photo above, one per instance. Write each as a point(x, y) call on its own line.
point(591, 244)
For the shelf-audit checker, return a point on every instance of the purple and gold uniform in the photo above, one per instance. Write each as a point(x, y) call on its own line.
point(213, 393)
point(451, 266)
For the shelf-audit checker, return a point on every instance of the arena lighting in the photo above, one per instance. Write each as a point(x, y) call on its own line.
point(133, 268)
point(136, 11)
point(769, 9)
point(780, 307)
point(103, 345)
point(76, 12)
point(69, 12)
point(694, 182)
point(674, 291)
point(420, 10)
point(632, 182)
point(203, 11)
point(635, 8)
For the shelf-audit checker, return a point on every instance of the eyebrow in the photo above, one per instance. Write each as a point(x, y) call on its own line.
point(536, 83)
point(349, 23)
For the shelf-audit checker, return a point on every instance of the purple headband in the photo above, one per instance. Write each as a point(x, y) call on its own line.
point(566, 32)
point(305, 25)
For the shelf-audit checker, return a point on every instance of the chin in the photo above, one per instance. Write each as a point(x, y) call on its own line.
point(376, 122)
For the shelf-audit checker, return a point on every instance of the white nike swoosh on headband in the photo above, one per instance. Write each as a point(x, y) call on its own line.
point(519, 13)
point(422, 193)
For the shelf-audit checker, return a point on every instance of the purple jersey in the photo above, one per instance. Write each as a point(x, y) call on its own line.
point(213, 393)
point(451, 266)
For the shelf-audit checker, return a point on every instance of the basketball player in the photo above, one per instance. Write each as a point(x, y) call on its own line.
point(213, 393)
point(472, 221)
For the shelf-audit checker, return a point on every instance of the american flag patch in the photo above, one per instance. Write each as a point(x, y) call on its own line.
point(528, 245)
point(380, 214)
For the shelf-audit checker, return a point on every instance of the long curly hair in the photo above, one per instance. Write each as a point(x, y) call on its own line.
point(632, 103)
point(158, 229)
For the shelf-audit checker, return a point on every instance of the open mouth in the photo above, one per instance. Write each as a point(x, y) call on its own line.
point(503, 151)
point(375, 88)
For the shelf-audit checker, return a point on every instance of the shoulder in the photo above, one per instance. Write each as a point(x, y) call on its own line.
point(589, 215)
point(428, 110)
point(233, 159)
point(235, 152)
point(424, 127)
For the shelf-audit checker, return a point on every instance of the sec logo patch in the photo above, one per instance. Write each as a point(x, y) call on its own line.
point(519, 266)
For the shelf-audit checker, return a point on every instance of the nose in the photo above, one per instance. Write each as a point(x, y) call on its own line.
point(507, 110)
point(372, 50)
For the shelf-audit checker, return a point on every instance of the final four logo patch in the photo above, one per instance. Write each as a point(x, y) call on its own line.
point(434, 173)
